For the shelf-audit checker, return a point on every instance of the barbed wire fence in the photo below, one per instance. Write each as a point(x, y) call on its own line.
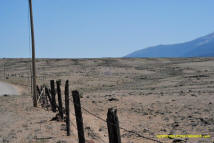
point(98, 118)
point(122, 128)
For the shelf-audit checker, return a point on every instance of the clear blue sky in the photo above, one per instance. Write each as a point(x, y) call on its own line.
point(100, 28)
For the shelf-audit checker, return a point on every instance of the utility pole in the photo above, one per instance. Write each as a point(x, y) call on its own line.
point(4, 70)
point(33, 56)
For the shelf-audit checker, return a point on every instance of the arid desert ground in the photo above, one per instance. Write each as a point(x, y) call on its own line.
point(153, 97)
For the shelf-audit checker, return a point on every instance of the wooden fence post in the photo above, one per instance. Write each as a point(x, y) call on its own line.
point(53, 95)
point(45, 97)
point(49, 97)
point(78, 114)
point(42, 97)
point(67, 107)
point(113, 126)
point(58, 82)
point(38, 90)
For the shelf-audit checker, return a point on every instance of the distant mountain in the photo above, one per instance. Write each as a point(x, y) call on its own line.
point(200, 47)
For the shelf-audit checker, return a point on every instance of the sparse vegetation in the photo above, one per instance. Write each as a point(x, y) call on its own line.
point(153, 96)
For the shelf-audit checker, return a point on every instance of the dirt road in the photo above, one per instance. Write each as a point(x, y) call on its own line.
point(7, 89)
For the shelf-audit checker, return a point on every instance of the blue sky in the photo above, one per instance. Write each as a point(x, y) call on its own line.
point(100, 28)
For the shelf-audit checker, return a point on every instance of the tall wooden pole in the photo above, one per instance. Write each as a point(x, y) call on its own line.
point(33, 56)
point(4, 70)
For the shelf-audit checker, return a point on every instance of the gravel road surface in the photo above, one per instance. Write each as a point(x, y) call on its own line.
point(8, 89)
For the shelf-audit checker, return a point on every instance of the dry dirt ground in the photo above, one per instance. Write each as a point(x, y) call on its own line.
point(152, 96)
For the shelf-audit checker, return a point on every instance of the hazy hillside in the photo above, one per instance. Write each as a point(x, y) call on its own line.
point(200, 47)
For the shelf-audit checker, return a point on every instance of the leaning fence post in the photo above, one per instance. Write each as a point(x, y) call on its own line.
point(113, 126)
point(78, 114)
point(45, 97)
point(67, 107)
point(53, 94)
point(39, 91)
point(58, 82)
point(49, 97)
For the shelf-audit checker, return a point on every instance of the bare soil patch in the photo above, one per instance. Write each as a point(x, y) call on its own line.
point(153, 96)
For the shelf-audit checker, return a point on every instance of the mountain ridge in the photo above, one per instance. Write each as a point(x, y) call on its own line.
point(199, 47)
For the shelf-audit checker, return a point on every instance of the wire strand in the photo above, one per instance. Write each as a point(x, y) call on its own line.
point(97, 137)
point(134, 132)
